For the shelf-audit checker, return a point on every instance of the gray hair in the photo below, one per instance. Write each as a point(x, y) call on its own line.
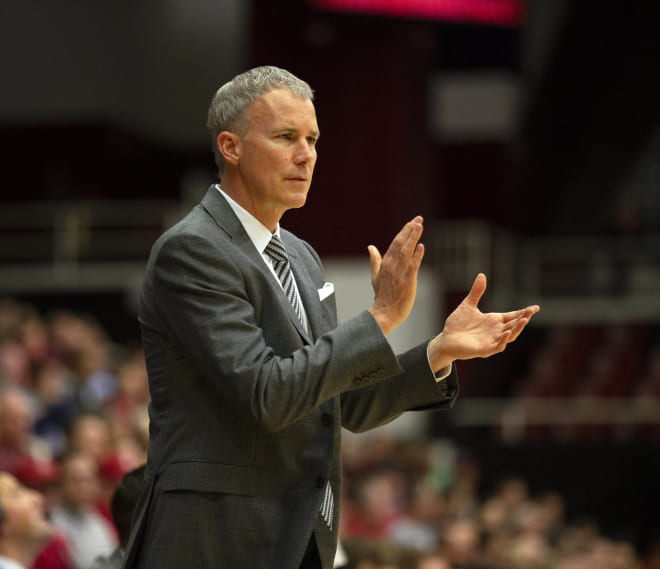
point(227, 109)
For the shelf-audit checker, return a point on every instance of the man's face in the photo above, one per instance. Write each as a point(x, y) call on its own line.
point(25, 516)
point(79, 484)
point(277, 154)
point(15, 421)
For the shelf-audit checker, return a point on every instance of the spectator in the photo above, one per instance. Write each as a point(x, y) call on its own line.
point(90, 433)
point(76, 516)
point(376, 506)
point(22, 454)
point(122, 506)
point(24, 529)
point(14, 363)
point(461, 542)
point(418, 527)
point(132, 387)
point(54, 387)
point(84, 346)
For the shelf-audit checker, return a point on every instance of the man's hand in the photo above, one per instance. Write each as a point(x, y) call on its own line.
point(394, 276)
point(469, 333)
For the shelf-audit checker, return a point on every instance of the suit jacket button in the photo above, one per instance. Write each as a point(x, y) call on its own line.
point(320, 482)
point(326, 419)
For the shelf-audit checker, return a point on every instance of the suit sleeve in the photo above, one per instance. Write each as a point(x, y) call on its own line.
point(413, 389)
point(212, 304)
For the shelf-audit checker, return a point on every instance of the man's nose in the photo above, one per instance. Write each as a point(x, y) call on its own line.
point(305, 151)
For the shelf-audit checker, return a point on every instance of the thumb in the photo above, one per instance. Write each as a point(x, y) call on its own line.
point(477, 290)
point(375, 260)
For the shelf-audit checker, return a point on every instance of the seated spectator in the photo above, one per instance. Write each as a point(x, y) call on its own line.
point(14, 363)
point(122, 506)
point(76, 516)
point(461, 543)
point(24, 529)
point(83, 344)
point(90, 432)
point(22, 454)
point(54, 387)
point(418, 527)
point(375, 506)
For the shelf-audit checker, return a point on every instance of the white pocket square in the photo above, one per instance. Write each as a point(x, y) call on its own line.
point(326, 291)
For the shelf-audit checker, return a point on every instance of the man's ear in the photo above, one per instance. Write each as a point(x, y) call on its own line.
point(229, 146)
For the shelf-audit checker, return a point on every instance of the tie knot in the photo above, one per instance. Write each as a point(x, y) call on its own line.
point(275, 249)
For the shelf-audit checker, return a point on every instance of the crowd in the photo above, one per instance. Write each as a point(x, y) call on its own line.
point(73, 423)
point(74, 427)
point(424, 505)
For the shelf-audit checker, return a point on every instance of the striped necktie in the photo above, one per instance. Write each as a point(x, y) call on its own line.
point(276, 251)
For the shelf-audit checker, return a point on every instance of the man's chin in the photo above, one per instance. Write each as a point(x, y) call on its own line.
point(298, 201)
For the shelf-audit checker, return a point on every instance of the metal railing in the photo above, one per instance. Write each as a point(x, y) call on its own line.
point(102, 244)
point(590, 279)
point(512, 417)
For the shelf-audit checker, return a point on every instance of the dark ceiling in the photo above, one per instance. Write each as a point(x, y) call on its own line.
point(593, 111)
point(91, 86)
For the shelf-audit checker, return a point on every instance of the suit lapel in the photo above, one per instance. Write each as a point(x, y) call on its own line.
point(226, 219)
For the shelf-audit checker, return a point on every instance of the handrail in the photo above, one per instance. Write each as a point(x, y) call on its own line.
point(87, 244)
point(591, 279)
point(561, 418)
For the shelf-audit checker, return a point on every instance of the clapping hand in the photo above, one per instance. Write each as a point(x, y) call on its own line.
point(469, 333)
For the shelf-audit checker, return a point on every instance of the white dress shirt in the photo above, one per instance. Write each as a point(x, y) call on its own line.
point(260, 237)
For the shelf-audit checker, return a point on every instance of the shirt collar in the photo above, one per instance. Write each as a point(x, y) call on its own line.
point(257, 231)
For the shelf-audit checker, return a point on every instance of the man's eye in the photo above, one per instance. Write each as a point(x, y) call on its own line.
point(286, 136)
point(311, 140)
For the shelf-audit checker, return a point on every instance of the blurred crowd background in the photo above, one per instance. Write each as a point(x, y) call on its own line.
point(73, 423)
point(528, 135)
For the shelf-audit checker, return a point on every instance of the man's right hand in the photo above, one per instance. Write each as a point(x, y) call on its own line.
point(394, 276)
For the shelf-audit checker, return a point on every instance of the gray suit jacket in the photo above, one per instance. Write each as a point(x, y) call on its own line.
point(246, 407)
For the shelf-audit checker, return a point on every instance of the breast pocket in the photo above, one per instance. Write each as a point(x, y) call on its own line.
point(329, 310)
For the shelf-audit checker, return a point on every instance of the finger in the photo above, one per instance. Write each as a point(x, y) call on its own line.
point(515, 321)
point(414, 235)
point(527, 312)
point(375, 260)
point(518, 328)
point(477, 291)
point(418, 255)
point(406, 240)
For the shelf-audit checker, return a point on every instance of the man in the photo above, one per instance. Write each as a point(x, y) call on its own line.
point(251, 377)
point(24, 529)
